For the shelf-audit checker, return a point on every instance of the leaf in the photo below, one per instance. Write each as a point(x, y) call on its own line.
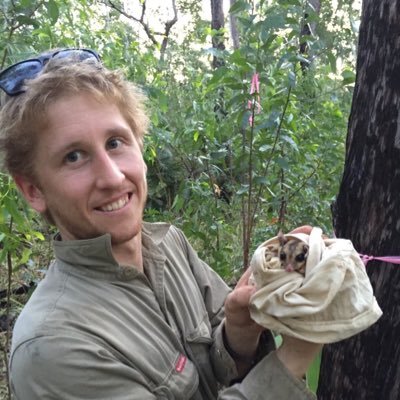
point(218, 75)
point(218, 155)
point(239, 6)
point(332, 61)
point(24, 20)
point(11, 206)
point(268, 40)
point(274, 22)
point(38, 235)
point(290, 141)
point(292, 79)
point(260, 180)
point(282, 162)
point(349, 77)
point(178, 203)
point(53, 11)
point(264, 148)
point(25, 3)
point(26, 253)
point(243, 189)
point(302, 59)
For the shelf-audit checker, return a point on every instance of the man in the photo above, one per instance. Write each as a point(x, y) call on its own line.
point(127, 310)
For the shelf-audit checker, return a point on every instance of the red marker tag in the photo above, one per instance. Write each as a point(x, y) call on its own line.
point(180, 364)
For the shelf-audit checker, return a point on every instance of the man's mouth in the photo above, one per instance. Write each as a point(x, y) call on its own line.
point(115, 205)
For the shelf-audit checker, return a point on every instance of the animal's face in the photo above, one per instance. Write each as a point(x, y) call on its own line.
point(293, 255)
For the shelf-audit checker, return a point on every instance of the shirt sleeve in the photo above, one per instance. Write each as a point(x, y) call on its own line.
point(71, 368)
point(268, 380)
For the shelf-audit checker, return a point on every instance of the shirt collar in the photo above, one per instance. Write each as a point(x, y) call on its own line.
point(96, 254)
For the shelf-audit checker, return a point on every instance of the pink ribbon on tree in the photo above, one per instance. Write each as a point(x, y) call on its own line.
point(254, 104)
point(390, 259)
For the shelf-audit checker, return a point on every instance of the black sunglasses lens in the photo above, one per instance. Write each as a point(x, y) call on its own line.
point(77, 54)
point(12, 79)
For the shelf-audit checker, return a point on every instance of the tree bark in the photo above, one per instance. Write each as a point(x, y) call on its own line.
point(217, 24)
point(308, 29)
point(367, 210)
point(218, 43)
point(234, 29)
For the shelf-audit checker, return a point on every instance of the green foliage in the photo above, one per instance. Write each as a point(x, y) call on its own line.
point(282, 172)
point(313, 374)
point(19, 229)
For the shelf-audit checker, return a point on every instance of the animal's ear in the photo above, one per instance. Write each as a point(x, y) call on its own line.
point(281, 238)
point(305, 249)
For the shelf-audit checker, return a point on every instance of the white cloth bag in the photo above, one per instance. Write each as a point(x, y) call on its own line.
point(333, 301)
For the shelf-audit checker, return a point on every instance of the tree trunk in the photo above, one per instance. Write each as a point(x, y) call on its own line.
point(367, 211)
point(217, 24)
point(234, 29)
point(307, 30)
point(218, 43)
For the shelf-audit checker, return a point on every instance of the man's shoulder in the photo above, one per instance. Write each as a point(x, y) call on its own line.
point(161, 232)
point(30, 320)
point(34, 319)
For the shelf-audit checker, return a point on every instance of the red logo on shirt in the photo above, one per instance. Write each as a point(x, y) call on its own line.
point(180, 364)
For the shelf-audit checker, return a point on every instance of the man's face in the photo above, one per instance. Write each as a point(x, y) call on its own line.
point(90, 171)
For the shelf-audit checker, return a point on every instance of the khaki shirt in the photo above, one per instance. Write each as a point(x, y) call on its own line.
point(94, 329)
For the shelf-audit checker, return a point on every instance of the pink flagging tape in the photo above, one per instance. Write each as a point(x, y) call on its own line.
point(390, 259)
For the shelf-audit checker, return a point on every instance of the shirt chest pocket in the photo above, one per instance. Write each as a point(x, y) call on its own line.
point(198, 345)
point(201, 333)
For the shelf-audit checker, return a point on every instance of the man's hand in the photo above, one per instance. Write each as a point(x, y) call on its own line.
point(297, 355)
point(302, 229)
point(241, 332)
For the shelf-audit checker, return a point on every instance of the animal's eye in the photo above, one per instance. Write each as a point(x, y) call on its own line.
point(300, 257)
point(282, 256)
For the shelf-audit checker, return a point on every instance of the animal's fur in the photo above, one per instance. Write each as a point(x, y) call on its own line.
point(292, 254)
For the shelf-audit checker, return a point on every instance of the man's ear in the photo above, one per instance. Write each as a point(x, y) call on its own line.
point(32, 194)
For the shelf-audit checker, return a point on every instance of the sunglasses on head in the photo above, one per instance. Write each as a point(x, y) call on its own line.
point(13, 77)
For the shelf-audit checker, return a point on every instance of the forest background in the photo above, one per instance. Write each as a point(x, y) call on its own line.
point(249, 111)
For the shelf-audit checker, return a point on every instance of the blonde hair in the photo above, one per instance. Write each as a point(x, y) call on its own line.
point(22, 117)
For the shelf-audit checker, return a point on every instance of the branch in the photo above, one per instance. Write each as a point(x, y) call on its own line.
point(140, 20)
point(303, 183)
point(277, 134)
point(168, 25)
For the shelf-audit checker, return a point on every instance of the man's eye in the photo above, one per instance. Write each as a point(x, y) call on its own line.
point(114, 143)
point(73, 156)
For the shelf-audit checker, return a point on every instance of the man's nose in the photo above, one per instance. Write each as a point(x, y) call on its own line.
point(108, 172)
